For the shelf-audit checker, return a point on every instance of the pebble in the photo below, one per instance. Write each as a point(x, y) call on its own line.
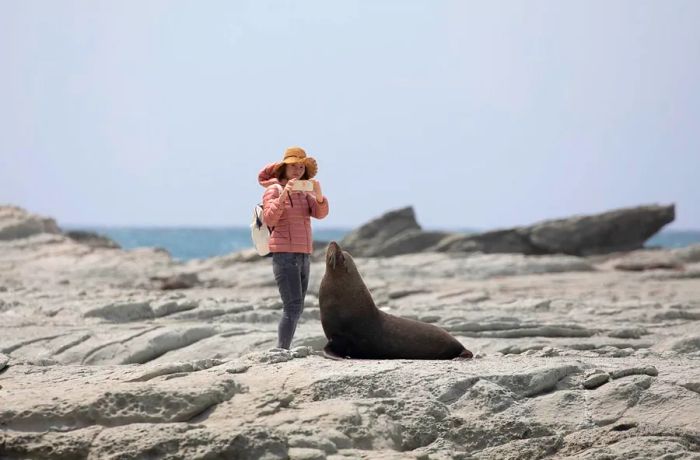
point(301, 352)
point(596, 380)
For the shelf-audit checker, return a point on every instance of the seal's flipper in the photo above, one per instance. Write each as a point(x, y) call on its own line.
point(466, 354)
point(330, 353)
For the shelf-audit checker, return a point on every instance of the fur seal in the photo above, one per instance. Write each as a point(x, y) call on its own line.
point(356, 328)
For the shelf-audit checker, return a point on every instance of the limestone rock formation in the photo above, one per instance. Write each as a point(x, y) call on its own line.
point(573, 359)
point(393, 233)
point(397, 232)
point(16, 223)
point(618, 230)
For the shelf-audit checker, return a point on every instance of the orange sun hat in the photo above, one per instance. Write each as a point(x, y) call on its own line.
point(298, 155)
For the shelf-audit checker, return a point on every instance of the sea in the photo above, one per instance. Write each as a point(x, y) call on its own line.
point(198, 243)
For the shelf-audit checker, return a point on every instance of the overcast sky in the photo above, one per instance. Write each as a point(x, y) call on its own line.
point(479, 114)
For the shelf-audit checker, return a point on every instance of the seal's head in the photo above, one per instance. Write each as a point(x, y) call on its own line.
point(342, 287)
point(339, 262)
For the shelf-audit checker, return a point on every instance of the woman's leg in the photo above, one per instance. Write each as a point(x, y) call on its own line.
point(287, 268)
point(306, 265)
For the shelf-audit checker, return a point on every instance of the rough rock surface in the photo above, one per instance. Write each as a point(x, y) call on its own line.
point(574, 359)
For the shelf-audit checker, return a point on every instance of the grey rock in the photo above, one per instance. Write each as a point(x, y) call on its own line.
point(189, 441)
point(399, 293)
point(313, 442)
point(397, 232)
point(368, 239)
point(618, 230)
point(136, 403)
point(596, 380)
point(610, 402)
point(430, 318)
point(628, 333)
point(498, 241)
point(301, 352)
point(645, 370)
point(92, 239)
point(536, 448)
point(692, 386)
point(676, 314)
point(612, 231)
point(490, 396)
point(170, 306)
point(306, 453)
point(174, 368)
point(122, 312)
point(177, 281)
point(17, 223)
point(50, 444)
point(214, 311)
point(276, 355)
point(237, 368)
point(536, 381)
point(148, 345)
point(408, 242)
point(687, 344)
point(550, 330)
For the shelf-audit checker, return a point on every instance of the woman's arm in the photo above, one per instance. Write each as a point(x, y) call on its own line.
point(318, 210)
point(317, 202)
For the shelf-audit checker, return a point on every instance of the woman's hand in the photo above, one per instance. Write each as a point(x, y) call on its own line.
point(317, 190)
point(286, 193)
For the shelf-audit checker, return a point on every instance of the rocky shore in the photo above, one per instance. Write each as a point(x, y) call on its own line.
point(592, 352)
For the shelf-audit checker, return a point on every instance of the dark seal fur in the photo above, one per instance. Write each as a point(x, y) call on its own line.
point(356, 328)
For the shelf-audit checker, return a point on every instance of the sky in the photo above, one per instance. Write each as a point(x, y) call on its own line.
point(480, 115)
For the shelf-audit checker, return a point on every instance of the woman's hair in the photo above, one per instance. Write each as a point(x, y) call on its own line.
point(283, 169)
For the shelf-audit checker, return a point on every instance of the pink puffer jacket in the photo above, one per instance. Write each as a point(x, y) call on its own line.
point(291, 221)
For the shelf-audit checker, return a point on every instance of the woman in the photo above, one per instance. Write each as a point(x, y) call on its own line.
point(288, 212)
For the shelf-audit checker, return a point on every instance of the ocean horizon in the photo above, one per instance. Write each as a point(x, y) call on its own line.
point(187, 243)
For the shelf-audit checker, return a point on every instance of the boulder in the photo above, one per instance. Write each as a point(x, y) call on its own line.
point(613, 231)
point(394, 233)
point(397, 232)
point(410, 241)
point(16, 223)
point(498, 241)
point(369, 239)
point(618, 230)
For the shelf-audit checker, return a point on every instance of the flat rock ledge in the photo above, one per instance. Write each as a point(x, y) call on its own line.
point(279, 404)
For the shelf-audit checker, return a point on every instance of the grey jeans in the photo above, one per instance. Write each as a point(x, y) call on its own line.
point(292, 275)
